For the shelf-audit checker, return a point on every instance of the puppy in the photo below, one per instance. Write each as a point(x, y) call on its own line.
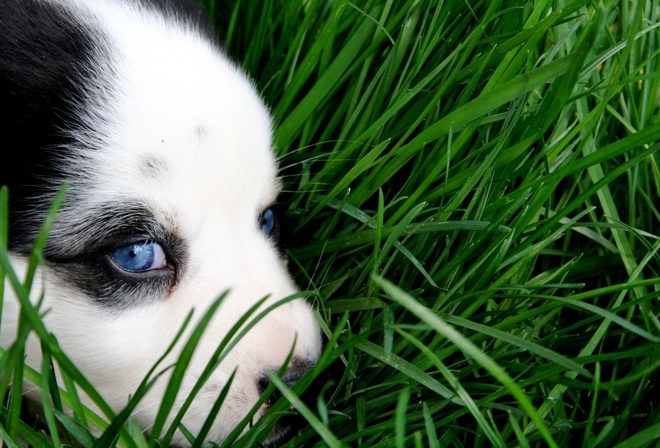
point(166, 150)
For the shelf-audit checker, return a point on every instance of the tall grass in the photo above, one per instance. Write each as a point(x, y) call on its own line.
point(472, 192)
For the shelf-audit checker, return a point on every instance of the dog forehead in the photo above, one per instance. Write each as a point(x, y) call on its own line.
point(181, 120)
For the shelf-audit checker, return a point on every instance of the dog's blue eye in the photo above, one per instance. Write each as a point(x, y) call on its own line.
point(140, 257)
point(268, 222)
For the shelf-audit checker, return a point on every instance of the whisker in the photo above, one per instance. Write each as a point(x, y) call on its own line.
point(286, 167)
point(311, 145)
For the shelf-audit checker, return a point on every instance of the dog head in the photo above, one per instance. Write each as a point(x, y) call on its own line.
point(166, 149)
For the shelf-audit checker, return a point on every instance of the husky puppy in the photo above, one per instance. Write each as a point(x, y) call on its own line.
point(166, 150)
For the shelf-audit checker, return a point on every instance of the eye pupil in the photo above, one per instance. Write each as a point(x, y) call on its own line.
point(139, 257)
point(268, 222)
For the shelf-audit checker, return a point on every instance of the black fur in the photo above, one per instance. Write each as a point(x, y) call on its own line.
point(45, 58)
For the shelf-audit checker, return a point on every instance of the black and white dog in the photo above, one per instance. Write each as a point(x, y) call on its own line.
point(166, 148)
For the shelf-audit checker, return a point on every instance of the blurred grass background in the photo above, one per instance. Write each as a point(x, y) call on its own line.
point(473, 188)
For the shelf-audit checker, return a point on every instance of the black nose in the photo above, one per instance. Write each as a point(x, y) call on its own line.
point(296, 369)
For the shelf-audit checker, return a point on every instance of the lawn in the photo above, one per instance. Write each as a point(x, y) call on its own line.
point(472, 195)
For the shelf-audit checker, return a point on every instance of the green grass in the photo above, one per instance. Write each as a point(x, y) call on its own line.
point(473, 192)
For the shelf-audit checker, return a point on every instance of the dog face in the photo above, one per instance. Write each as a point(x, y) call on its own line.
point(166, 148)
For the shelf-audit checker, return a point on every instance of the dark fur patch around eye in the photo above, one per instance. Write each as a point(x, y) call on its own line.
point(108, 291)
point(80, 253)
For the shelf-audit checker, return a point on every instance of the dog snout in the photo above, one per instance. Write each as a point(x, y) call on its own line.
point(297, 368)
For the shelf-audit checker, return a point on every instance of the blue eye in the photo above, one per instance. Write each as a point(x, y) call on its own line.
point(268, 222)
point(140, 257)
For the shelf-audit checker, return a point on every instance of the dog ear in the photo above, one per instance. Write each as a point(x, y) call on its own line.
point(43, 60)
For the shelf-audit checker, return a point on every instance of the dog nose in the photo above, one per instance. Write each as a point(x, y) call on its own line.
point(296, 369)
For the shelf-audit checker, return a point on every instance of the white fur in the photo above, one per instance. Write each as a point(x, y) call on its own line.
point(179, 98)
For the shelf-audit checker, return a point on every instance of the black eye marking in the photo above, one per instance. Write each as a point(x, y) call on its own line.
point(120, 255)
